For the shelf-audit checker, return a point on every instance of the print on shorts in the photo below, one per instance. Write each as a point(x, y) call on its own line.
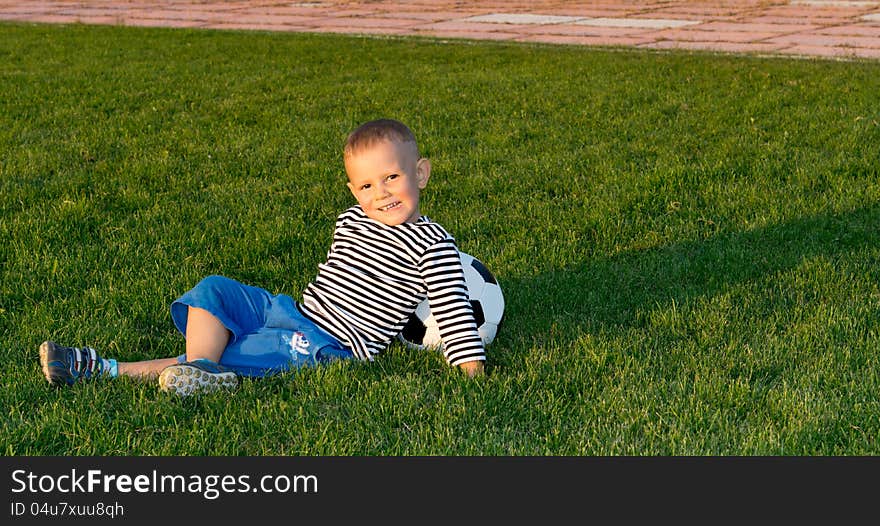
point(298, 344)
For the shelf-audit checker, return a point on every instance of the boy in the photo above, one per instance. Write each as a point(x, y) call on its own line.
point(384, 259)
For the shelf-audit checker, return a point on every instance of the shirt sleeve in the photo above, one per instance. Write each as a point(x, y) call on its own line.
point(447, 292)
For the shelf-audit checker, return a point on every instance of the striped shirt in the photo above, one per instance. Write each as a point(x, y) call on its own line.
point(374, 277)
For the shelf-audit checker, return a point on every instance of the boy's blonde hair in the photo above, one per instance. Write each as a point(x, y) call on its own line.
point(368, 134)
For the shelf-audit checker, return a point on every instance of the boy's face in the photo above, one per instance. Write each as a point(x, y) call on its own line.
point(386, 179)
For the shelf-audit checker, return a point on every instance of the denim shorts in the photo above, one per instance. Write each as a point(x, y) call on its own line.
point(269, 333)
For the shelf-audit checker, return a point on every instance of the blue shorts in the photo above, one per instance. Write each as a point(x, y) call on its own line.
point(269, 333)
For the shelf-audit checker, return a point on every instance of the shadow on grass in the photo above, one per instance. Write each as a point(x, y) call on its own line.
point(608, 294)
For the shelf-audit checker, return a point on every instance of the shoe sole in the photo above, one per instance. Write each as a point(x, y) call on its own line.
point(45, 347)
point(184, 380)
point(44, 358)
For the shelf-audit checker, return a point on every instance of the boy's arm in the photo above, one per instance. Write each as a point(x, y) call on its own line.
point(450, 304)
point(473, 369)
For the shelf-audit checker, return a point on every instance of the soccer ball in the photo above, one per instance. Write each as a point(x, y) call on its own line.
point(487, 301)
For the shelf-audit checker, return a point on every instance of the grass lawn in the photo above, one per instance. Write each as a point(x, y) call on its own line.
point(688, 243)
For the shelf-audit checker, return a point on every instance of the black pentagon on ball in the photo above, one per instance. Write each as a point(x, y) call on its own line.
point(479, 317)
point(414, 330)
point(487, 276)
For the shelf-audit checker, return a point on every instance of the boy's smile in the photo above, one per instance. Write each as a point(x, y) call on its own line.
point(386, 178)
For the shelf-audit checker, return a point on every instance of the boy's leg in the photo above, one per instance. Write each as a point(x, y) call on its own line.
point(146, 369)
point(215, 313)
point(206, 339)
point(206, 336)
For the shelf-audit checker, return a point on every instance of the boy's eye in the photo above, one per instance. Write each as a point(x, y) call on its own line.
point(365, 187)
point(392, 177)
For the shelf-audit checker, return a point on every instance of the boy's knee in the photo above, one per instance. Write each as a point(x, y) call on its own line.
point(213, 288)
point(214, 282)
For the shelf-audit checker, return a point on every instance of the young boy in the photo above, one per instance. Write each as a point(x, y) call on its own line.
point(384, 259)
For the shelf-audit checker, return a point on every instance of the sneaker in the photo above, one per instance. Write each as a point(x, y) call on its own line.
point(197, 376)
point(67, 365)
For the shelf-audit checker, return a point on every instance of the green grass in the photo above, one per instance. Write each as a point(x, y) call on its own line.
point(688, 243)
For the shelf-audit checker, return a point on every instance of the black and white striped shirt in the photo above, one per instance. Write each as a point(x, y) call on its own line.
point(374, 277)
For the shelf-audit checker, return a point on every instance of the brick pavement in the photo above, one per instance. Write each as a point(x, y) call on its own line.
point(825, 28)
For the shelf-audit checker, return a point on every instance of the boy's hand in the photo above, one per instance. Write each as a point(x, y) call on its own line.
point(472, 368)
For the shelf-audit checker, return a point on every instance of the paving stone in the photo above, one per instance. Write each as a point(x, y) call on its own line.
point(780, 20)
point(724, 47)
point(806, 12)
point(833, 3)
point(430, 16)
point(255, 18)
point(756, 27)
point(26, 9)
point(586, 40)
point(646, 23)
point(51, 19)
point(161, 22)
point(90, 11)
point(469, 35)
point(255, 27)
point(365, 22)
point(99, 20)
point(173, 15)
point(352, 30)
point(697, 11)
point(853, 30)
point(790, 20)
point(685, 35)
point(582, 30)
point(828, 41)
point(521, 18)
point(594, 11)
point(458, 25)
point(835, 52)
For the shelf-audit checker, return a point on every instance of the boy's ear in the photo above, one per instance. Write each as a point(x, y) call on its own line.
point(351, 188)
point(423, 172)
